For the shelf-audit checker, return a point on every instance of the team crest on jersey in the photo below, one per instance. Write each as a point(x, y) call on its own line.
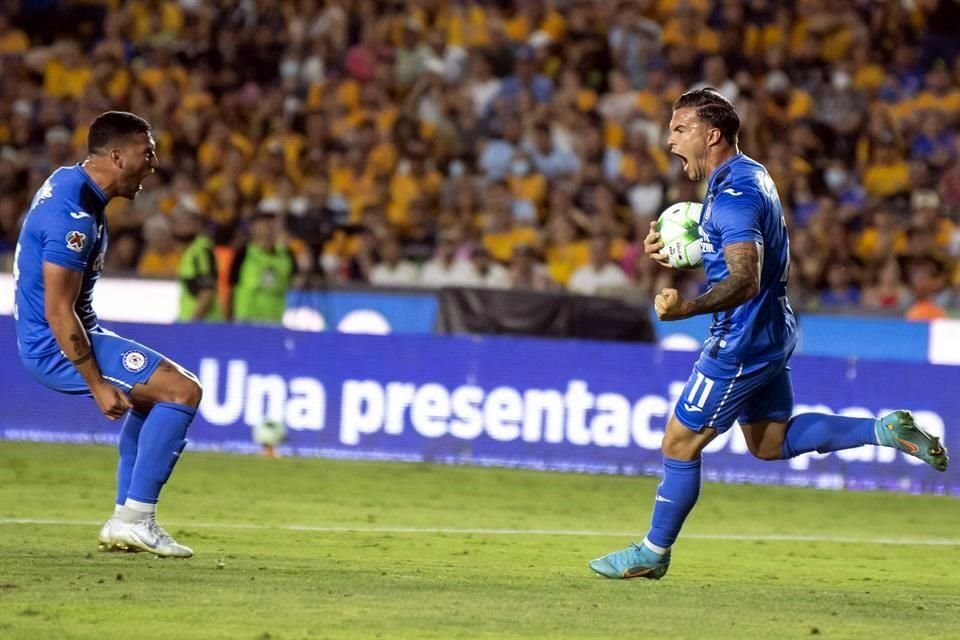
point(76, 241)
point(134, 361)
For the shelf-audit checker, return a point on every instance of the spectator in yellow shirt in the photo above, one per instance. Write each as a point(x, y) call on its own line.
point(161, 256)
point(12, 40)
point(888, 174)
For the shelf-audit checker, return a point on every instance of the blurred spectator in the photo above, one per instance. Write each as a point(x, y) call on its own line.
point(391, 269)
point(445, 269)
point(549, 160)
point(841, 292)
point(601, 273)
point(526, 272)
point(197, 272)
point(926, 281)
point(888, 291)
point(489, 274)
point(161, 254)
point(261, 273)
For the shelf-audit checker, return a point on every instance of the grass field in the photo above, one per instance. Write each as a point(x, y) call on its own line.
point(299, 548)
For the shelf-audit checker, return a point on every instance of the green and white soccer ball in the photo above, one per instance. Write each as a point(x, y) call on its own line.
point(679, 229)
point(269, 433)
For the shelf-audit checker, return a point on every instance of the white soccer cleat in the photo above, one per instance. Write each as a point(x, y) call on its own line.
point(106, 537)
point(148, 535)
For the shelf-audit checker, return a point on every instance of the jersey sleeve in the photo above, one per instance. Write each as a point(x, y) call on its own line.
point(69, 236)
point(736, 215)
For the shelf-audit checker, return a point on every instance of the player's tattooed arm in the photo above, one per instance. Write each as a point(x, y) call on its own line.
point(81, 349)
point(742, 283)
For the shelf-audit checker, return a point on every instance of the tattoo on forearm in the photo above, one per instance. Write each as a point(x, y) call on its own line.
point(78, 350)
point(742, 283)
point(77, 343)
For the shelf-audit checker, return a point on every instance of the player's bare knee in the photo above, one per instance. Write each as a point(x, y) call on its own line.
point(679, 448)
point(767, 453)
point(186, 391)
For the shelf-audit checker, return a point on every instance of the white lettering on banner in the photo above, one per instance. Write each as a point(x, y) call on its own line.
point(611, 426)
point(430, 410)
point(234, 387)
point(265, 398)
point(578, 402)
point(300, 404)
point(399, 397)
point(502, 413)
point(361, 407)
point(468, 423)
point(646, 408)
point(543, 406)
point(306, 408)
point(575, 416)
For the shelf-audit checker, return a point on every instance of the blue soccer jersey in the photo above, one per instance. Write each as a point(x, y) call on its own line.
point(65, 226)
point(742, 205)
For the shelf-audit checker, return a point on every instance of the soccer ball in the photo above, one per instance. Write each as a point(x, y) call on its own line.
point(269, 433)
point(678, 226)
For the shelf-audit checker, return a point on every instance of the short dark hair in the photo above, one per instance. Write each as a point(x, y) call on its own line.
point(111, 127)
point(712, 107)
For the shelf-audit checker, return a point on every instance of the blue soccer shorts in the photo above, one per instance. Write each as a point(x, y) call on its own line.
point(744, 393)
point(123, 363)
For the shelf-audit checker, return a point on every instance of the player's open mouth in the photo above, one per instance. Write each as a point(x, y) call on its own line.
point(682, 159)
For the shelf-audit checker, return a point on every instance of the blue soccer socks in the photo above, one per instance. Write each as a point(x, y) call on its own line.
point(162, 439)
point(676, 495)
point(823, 432)
point(129, 438)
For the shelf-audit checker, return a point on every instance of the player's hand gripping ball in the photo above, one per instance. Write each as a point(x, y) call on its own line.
point(679, 229)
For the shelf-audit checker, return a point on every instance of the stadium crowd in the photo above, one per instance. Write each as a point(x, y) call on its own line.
point(499, 143)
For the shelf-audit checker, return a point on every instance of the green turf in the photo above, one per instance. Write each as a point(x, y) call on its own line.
point(280, 582)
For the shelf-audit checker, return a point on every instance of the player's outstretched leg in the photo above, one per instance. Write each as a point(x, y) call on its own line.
point(899, 430)
point(127, 445)
point(676, 496)
point(825, 433)
point(175, 395)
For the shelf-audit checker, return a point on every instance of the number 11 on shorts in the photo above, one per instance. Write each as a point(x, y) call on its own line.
point(707, 384)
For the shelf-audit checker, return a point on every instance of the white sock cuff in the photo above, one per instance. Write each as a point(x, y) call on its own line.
point(655, 548)
point(142, 507)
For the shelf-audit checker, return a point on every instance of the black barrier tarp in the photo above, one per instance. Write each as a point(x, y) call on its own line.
point(532, 313)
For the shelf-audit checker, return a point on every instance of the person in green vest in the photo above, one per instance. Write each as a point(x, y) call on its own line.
point(261, 273)
point(197, 272)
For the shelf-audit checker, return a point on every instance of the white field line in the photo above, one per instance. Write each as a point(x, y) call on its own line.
point(773, 537)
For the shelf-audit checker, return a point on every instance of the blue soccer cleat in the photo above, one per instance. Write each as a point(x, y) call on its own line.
point(898, 430)
point(636, 561)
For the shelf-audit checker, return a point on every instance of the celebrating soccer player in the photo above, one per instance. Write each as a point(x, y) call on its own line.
point(58, 260)
point(742, 373)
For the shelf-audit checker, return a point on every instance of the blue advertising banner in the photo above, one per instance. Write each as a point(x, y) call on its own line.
point(540, 404)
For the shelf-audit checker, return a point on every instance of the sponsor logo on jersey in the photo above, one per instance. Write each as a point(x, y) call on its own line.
point(134, 361)
point(76, 241)
point(78, 215)
point(733, 193)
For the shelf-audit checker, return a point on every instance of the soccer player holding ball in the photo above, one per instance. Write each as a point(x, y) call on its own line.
point(58, 260)
point(742, 373)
